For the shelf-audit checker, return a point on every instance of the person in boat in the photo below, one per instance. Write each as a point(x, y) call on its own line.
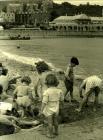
point(91, 86)
point(23, 95)
point(69, 77)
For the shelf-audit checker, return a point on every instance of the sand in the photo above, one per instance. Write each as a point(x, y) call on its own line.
point(87, 125)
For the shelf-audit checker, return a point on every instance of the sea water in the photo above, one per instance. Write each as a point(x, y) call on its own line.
point(58, 51)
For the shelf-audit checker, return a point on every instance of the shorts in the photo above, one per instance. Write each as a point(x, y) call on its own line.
point(94, 90)
point(68, 84)
point(24, 101)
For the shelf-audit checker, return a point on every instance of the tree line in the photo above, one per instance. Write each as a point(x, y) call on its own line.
point(69, 9)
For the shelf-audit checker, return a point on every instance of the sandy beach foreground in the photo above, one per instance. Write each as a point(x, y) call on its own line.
point(89, 129)
point(86, 126)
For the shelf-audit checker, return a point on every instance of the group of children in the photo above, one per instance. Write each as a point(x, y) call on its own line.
point(49, 93)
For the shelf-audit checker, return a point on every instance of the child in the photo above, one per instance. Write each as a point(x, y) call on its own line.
point(50, 104)
point(23, 94)
point(43, 70)
point(69, 77)
point(91, 85)
point(5, 79)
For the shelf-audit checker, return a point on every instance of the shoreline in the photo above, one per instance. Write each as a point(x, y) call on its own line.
point(38, 34)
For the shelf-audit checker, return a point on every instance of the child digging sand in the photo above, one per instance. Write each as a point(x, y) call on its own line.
point(91, 86)
point(50, 104)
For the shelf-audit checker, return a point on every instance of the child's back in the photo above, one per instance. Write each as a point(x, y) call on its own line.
point(22, 90)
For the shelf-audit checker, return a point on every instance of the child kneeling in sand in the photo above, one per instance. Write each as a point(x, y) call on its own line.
point(23, 95)
point(50, 104)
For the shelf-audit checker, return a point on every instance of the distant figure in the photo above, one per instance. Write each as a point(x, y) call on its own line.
point(23, 95)
point(91, 85)
point(18, 47)
point(50, 104)
point(69, 74)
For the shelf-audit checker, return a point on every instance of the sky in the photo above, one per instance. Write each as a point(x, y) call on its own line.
point(77, 2)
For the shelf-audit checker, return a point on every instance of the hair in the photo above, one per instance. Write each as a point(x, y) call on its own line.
point(0, 64)
point(1, 89)
point(26, 79)
point(4, 71)
point(74, 60)
point(42, 67)
point(51, 80)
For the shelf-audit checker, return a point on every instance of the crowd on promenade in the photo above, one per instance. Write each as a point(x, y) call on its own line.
point(44, 99)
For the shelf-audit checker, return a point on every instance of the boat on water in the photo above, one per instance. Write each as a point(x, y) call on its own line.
point(19, 37)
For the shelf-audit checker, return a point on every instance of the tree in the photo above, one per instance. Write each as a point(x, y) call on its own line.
point(25, 8)
point(4, 9)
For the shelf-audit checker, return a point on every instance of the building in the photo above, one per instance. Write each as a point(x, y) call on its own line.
point(14, 7)
point(35, 18)
point(82, 23)
point(7, 17)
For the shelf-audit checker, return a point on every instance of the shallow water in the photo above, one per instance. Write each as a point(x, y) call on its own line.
point(58, 51)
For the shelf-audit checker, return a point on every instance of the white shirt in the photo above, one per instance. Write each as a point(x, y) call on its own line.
point(51, 97)
point(90, 82)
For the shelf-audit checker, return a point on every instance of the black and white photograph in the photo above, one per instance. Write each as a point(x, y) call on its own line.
point(51, 71)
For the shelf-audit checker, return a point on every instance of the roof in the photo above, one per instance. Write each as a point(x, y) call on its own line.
point(97, 18)
point(82, 16)
point(72, 18)
point(64, 18)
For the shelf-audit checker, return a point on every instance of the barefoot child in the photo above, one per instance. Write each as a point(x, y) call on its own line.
point(50, 104)
point(69, 77)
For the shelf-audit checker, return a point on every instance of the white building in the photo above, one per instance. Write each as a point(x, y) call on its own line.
point(75, 23)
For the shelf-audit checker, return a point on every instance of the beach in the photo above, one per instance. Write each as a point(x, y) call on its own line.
point(85, 126)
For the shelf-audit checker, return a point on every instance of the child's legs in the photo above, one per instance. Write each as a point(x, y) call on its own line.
point(15, 105)
point(22, 111)
point(50, 124)
point(71, 91)
point(97, 90)
point(55, 123)
point(85, 99)
point(67, 85)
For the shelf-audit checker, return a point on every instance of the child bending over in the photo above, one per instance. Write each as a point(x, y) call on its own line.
point(91, 86)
